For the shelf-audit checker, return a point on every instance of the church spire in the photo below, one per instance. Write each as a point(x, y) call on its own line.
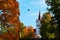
point(39, 16)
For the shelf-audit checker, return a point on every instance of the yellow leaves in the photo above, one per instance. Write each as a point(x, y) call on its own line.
point(13, 3)
point(5, 5)
point(25, 30)
point(31, 29)
point(8, 4)
point(20, 34)
point(51, 35)
point(46, 17)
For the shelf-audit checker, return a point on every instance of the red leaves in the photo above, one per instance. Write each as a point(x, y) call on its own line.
point(16, 5)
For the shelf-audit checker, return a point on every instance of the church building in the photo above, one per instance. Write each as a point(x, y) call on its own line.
point(38, 25)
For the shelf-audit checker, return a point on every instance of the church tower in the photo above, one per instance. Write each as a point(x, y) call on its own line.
point(38, 24)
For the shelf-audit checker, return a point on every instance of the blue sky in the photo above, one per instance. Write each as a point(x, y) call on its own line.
point(29, 17)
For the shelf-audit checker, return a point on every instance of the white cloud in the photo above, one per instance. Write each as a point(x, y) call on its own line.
point(38, 2)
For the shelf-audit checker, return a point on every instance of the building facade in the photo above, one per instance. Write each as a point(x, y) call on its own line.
point(38, 25)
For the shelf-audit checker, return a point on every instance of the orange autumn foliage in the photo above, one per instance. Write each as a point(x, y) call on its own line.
point(25, 29)
point(10, 16)
point(7, 36)
point(28, 32)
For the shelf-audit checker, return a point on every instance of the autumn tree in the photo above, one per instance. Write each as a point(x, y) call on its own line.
point(31, 31)
point(22, 30)
point(9, 16)
point(26, 32)
point(47, 30)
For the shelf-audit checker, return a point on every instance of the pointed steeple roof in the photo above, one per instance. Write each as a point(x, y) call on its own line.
point(39, 16)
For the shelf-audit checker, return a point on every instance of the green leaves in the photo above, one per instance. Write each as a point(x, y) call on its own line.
point(55, 9)
point(51, 35)
point(47, 30)
point(2, 29)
